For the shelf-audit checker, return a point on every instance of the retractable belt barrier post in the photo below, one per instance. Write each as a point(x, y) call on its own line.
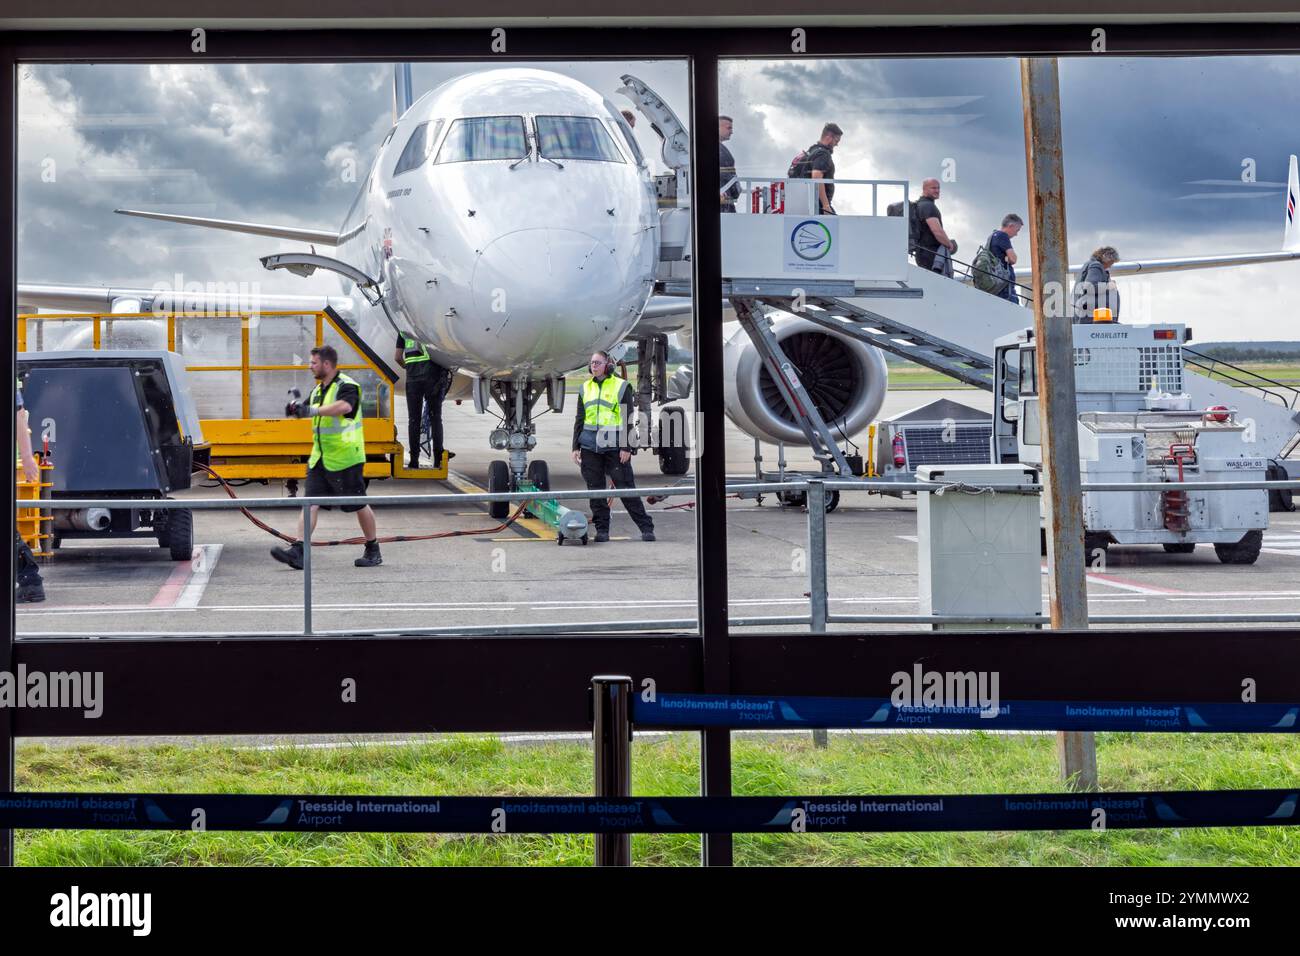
point(611, 732)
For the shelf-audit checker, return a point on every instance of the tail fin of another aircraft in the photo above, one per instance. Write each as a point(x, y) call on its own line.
point(403, 96)
point(1291, 235)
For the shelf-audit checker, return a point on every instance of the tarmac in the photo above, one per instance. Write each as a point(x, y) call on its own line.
point(518, 576)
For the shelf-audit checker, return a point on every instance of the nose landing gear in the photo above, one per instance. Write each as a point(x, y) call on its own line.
point(516, 400)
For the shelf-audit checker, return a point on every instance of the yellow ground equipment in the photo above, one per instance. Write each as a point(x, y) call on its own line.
point(34, 523)
point(241, 366)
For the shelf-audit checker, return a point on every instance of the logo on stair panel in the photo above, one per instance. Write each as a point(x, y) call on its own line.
point(812, 246)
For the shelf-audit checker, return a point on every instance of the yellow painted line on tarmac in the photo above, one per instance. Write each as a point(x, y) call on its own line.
point(530, 525)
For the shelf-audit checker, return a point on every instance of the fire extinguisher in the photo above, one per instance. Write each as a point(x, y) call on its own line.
point(756, 199)
point(778, 197)
point(900, 454)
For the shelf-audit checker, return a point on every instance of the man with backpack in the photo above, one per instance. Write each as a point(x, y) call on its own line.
point(994, 268)
point(816, 162)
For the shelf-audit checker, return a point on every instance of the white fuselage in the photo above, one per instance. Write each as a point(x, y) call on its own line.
point(507, 273)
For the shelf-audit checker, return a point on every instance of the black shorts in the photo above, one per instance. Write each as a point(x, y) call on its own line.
point(349, 482)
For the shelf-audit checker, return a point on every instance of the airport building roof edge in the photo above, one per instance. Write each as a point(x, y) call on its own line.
point(301, 14)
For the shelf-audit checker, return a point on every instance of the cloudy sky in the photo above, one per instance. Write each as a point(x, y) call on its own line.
point(289, 143)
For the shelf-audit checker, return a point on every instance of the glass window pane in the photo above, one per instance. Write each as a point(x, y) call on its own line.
point(575, 137)
point(484, 137)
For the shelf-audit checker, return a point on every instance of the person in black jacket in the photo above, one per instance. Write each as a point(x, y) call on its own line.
point(729, 185)
point(426, 386)
point(818, 162)
point(602, 445)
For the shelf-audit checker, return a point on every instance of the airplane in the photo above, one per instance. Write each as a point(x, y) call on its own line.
point(511, 221)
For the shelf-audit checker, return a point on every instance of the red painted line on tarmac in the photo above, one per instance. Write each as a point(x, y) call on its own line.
point(170, 592)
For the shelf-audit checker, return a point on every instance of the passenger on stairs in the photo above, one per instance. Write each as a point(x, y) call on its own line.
point(1094, 288)
point(932, 233)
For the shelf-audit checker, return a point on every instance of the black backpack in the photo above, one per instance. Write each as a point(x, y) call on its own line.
point(801, 165)
point(913, 222)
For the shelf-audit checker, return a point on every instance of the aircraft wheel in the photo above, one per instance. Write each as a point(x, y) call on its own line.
point(540, 475)
point(673, 441)
point(498, 481)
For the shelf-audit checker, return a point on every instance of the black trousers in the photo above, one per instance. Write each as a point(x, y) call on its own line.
point(597, 466)
point(421, 392)
point(26, 570)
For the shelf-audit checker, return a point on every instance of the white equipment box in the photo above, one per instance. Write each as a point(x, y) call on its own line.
point(979, 553)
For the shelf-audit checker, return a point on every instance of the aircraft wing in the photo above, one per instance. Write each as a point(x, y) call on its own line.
point(77, 298)
point(1132, 267)
point(665, 314)
point(324, 237)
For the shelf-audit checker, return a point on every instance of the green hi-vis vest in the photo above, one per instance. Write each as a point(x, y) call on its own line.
point(601, 412)
point(338, 440)
point(413, 350)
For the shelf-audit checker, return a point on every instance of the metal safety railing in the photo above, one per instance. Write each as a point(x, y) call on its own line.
point(817, 619)
point(775, 194)
point(243, 363)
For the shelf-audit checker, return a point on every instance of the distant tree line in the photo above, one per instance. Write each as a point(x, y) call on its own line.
point(1250, 353)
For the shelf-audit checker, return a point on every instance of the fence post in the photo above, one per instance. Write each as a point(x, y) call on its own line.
point(611, 736)
point(306, 570)
point(817, 597)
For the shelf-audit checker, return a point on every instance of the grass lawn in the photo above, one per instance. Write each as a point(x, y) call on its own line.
point(1283, 374)
point(876, 764)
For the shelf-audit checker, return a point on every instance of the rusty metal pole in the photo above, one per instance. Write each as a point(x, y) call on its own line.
point(1054, 335)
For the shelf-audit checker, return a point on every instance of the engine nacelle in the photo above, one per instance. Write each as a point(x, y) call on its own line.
point(846, 378)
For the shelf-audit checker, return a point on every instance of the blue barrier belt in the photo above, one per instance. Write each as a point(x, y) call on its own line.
point(710, 710)
point(843, 813)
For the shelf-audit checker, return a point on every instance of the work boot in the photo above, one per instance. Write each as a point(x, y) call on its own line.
point(415, 463)
point(647, 535)
point(291, 555)
point(32, 593)
point(371, 558)
point(601, 535)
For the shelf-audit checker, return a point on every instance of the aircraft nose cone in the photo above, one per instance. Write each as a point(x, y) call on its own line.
point(532, 285)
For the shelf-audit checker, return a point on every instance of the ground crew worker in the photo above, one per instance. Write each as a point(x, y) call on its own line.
point(338, 452)
point(28, 586)
point(426, 385)
point(601, 446)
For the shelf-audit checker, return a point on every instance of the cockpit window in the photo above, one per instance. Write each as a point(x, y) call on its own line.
point(575, 137)
point(484, 137)
point(417, 147)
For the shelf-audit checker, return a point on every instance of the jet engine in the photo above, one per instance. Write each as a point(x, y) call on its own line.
point(846, 379)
